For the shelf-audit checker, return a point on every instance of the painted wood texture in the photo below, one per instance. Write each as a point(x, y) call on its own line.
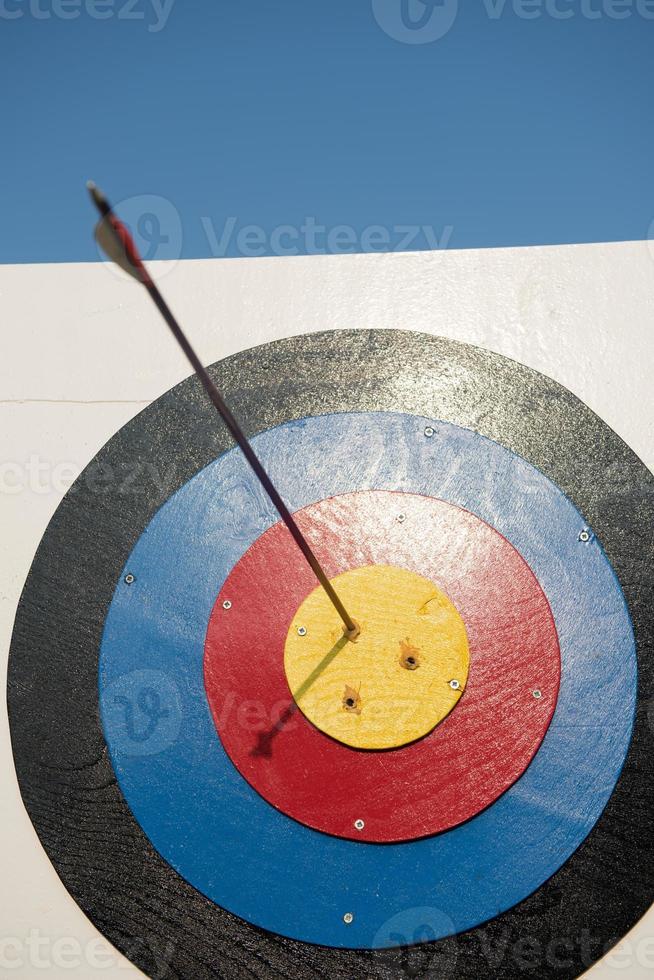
point(66, 778)
point(214, 825)
point(471, 758)
point(404, 673)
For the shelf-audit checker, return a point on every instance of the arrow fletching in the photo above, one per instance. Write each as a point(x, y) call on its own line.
point(114, 239)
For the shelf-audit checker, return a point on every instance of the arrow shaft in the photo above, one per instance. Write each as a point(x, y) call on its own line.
point(249, 453)
point(122, 247)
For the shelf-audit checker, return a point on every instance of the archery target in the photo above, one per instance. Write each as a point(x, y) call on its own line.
point(169, 706)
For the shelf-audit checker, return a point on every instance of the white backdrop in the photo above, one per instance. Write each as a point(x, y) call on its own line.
point(83, 350)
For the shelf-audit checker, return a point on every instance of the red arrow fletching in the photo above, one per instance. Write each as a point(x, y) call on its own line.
point(116, 242)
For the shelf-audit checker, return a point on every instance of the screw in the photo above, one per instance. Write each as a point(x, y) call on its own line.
point(429, 431)
point(584, 536)
point(348, 918)
point(129, 579)
point(301, 631)
point(401, 518)
point(359, 824)
point(537, 694)
point(455, 685)
point(227, 604)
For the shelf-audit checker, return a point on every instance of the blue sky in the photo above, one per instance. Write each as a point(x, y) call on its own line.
point(244, 127)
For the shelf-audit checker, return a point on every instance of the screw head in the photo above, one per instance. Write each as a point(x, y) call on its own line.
point(348, 918)
point(227, 604)
point(584, 536)
point(454, 685)
point(129, 579)
point(359, 824)
point(537, 694)
point(429, 431)
point(401, 518)
point(301, 631)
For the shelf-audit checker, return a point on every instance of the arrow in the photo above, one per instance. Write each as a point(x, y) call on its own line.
point(115, 239)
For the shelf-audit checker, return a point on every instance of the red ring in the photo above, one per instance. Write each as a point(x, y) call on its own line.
point(471, 758)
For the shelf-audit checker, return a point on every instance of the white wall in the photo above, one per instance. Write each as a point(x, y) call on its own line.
point(83, 350)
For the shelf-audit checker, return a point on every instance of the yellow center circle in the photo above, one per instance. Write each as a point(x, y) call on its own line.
point(403, 674)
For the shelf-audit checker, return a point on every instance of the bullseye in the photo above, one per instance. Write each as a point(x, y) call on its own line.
point(394, 683)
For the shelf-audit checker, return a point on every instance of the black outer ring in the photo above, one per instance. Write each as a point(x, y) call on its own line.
point(103, 858)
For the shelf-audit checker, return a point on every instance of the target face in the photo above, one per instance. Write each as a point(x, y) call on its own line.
point(207, 758)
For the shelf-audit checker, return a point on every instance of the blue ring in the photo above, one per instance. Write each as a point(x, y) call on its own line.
point(217, 832)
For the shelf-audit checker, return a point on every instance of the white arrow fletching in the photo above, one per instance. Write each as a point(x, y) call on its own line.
point(112, 245)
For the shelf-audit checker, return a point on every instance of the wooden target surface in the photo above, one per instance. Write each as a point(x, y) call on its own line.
point(507, 444)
